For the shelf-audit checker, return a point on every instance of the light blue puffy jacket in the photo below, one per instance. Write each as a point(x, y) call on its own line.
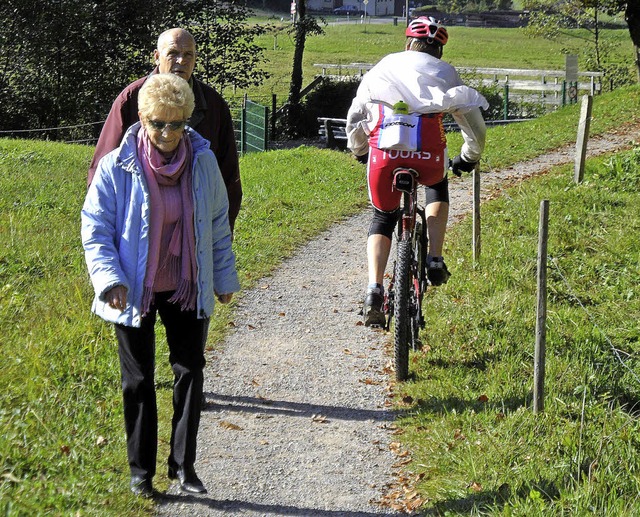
point(115, 229)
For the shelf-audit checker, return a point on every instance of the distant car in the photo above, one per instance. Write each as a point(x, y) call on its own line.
point(348, 9)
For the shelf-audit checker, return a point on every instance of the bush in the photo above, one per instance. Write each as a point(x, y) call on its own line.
point(330, 99)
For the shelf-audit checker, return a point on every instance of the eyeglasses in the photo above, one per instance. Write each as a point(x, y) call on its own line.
point(160, 125)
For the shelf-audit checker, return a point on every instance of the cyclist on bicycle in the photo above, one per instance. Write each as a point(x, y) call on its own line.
point(428, 87)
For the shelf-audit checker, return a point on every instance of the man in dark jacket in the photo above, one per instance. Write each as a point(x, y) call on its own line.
point(176, 54)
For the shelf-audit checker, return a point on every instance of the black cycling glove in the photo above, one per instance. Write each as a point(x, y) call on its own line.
point(458, 166)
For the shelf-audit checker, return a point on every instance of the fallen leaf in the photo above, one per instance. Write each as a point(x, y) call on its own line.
point(282, 314)
point(415, 504)
point(359, 323)
point(476, 487)
point(65, 449)
point(251, 327)
point(483, 398)
point(319, 419)
point(101, 441)
point(230, 426)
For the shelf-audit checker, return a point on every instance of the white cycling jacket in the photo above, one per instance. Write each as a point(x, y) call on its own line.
point(428, 85)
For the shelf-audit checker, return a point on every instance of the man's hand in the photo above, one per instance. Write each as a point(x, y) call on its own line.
point(224, 298)
point(116, 297)
point(458, 166)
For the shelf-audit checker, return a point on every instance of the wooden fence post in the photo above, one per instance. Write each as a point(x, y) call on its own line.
point(476, 213)
point(583, 137)
point(328, 129)
point(505, 103)
point(541, 310)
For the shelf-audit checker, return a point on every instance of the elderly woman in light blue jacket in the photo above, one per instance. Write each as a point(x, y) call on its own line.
point(157, 241)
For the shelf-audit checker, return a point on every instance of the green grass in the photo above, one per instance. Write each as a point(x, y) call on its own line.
point(467, 47)
point(476, 444)
point(62, 444)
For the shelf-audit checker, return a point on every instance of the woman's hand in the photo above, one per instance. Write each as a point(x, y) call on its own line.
point(224, 298)
point(116, 297)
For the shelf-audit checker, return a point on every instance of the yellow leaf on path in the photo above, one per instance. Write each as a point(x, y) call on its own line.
point(230, 426)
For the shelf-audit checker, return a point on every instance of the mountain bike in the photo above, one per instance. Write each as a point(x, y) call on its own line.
point(403, 301)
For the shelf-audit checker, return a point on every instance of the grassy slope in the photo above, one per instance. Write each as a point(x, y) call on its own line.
point(477, 446)
point(505, 48)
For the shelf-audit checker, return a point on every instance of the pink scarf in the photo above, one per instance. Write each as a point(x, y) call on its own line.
point(181, 252)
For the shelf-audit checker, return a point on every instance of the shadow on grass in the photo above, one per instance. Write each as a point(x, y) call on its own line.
point(241, 404)
point(444, 406)
point(479, 362)
point(495, 500)
point(629, 403)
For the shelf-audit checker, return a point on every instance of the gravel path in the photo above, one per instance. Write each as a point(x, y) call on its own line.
point(297, 421)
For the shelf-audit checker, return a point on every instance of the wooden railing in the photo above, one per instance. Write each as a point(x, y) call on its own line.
point(547, 86)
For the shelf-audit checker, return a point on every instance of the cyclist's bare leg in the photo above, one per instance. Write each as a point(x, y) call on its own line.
point(437, 216)
point(378, 249)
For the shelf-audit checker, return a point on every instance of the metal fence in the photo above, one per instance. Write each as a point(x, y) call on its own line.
point(251, 124)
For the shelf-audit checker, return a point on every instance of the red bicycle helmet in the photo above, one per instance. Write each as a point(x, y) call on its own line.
point(427, 27)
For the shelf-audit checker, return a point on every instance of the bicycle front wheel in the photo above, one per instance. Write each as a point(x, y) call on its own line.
point(401, 313)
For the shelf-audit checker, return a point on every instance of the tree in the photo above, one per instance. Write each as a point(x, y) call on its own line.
point(548, 17)
point(63, 62)
point(303, 26)
point(59, 59)
point(227, 53)
point(631, 10)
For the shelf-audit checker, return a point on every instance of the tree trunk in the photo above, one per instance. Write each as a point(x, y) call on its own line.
point(293, 109)
point(632, 16)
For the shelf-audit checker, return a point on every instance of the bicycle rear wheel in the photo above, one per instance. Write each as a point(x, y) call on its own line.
point(401, 311)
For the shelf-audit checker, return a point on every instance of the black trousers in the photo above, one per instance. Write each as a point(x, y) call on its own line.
point(186, 337)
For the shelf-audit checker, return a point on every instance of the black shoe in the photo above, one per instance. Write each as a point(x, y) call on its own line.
point(372, 311)
point(141, 486)
point(437, 271)
point(189, 481)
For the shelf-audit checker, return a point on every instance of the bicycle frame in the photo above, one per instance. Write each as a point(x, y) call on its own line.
point(408, 284)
